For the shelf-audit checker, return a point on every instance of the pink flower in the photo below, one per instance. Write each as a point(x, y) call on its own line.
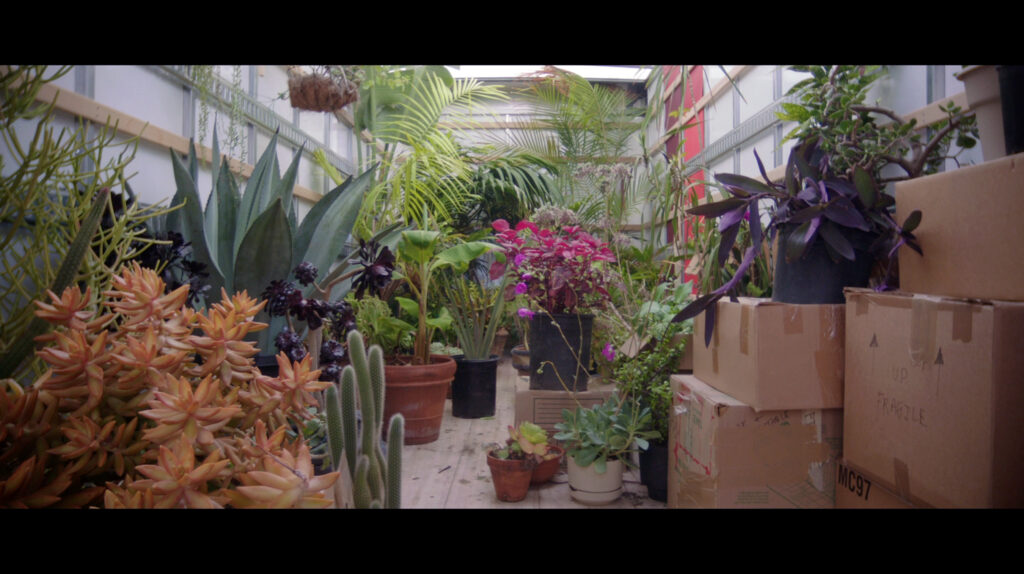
point(519, 259)
point(526, 313)
point(521, 288)
point(526, 277)
point(608, 352)
point(500, 225)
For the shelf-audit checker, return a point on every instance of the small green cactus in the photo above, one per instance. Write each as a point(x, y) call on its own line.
point(376, 480)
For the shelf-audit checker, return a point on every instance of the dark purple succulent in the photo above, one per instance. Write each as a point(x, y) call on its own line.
point(306, 273)
point(331, 372)
point(281, 295)
point(377, 262)
point(331, 351)
point(289, 342)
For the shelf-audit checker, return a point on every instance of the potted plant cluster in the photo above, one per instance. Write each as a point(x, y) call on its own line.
point(476, 313)
point(598, 442)
point(564, 273)
point(417, 384)
point(525, 459)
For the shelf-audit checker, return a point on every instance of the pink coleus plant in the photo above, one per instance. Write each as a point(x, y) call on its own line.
point(561, 272)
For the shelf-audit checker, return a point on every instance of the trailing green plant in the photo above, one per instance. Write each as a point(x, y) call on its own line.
point(645, 376)
point(205, 80)
point(476, 312)
point(607, 431)
point(376, 477)
point(250, 239)
point(832, 110)
point(58, 221)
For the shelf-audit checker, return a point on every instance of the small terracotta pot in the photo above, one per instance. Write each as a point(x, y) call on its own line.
point(418, 392)
point(547, 469)
point(511, 477)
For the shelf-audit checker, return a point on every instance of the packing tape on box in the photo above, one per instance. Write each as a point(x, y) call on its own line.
point(829, 361)
point(744, 329)
point(963, 317)
point(923, 313)
point(792, 320)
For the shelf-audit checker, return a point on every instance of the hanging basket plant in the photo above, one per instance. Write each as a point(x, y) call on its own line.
point(324, 89)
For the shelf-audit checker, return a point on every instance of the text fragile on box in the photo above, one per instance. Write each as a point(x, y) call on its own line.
point(934, 397)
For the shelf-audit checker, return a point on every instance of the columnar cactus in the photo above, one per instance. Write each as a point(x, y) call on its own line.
point(376, 480)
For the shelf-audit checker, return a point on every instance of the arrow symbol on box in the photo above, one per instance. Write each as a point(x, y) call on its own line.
point(939, 362)
point(873, 345)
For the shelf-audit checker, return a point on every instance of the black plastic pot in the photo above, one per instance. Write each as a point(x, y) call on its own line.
point(815, 279)
point(473, 388)
point(555, 343)
point(1011, 92)
point(267, 364)
point(654, 471)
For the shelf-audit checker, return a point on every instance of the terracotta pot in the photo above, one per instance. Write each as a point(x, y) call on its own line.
point(588, 487)
point(547, 469)
point(418, 392)
point(511, 477)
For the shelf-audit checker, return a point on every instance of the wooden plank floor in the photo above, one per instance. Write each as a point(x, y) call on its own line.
point(452, 471)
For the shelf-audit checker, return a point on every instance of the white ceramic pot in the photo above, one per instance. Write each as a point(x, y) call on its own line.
point(588, 487)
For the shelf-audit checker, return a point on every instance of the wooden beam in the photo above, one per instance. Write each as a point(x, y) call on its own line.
point(89, 109)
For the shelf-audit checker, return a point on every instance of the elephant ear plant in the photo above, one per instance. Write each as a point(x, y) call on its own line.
point(811, 205)
point(418, 260)
point(248, 240)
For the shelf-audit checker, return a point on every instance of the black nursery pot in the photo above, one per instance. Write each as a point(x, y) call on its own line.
point(815, 279)
point(473, 388)
point(267, 364)
point(1011, 90)
point(654, 471)
point(549, 335)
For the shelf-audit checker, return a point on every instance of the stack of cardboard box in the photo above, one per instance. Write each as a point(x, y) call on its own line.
point(935, 372)
point(759, 422)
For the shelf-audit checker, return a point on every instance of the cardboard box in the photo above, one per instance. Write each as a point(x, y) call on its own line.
point(544, 408)
point(970, 231)
point(855, 489)
point(774, 356)
point(724, 454)
point(935, 397)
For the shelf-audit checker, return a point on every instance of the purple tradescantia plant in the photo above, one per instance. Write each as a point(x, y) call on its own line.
point(815, 205)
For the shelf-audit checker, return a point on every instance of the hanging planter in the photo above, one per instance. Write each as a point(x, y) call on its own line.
point(326, 89)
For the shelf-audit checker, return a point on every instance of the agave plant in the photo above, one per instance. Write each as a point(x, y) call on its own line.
point(250, 239)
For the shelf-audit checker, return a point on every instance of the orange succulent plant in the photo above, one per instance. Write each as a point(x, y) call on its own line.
point(151, 404)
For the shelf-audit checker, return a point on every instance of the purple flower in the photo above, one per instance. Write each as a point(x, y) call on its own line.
point(519, 259)
point(521, 288)
point(526, 277)
point(526, 313)
point(608, 352)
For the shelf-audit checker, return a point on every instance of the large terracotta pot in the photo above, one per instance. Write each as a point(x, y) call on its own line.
point(418, 392)
point(511, 477)
point(588, 487)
